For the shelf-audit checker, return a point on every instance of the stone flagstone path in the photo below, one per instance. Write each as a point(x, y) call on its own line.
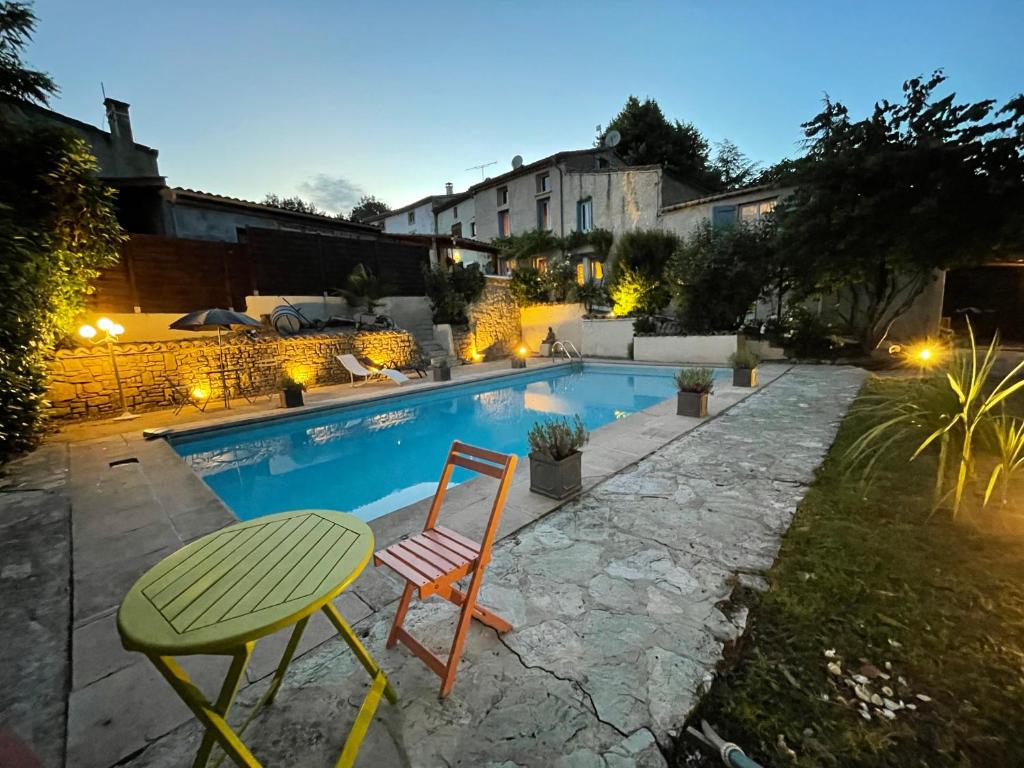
point(619, 602)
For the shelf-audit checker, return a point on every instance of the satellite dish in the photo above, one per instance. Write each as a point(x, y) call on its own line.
point(517, 162)
point(612, 139)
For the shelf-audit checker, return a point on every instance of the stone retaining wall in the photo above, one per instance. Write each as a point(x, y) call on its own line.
point(493, 322)
point(82, 383)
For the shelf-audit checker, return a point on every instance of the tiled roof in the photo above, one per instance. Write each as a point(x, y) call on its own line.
point(199, 195)
point(723, 196)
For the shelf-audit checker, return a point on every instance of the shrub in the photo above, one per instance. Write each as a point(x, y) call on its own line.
point(696, 380)
point(638, 271)
point(527, 286)
point(744, 358)
point(452, 291)
point(559, 280)
point(644, 325)
point(287, 382)
point(590, 294)
point(718, 273)
point(363, 289)
point(806, 334)
point(634, 292)
point(558, 438)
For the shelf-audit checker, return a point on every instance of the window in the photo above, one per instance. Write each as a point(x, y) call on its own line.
point(753, 213)
point(543, 213)
point(597, 270)
point(457, 229)
point(502, 196)
point(602, 162)
point(723, 216)
point(585, 215)
point(542, 264)
point(472, 229)
point(580, 273)
point(504, 225)
point(455, 212)
point(411, 217)
point(543, 182)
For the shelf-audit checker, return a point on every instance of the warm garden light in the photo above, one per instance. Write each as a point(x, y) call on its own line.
point(104, 323)
point(522, 350)
point(115, 329)
point(200, 392)
point(87, 331)
point(111, 331)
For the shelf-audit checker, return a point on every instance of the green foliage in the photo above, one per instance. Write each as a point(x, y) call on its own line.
point(1008, 435)
point(733, 168)
point(644, 325)
point(744, 358)
point(590, 294)
point(881, 203)
point(637, 276)
point(558, 437)
point(57, 230)
point(364, 289)
point(718, 273)
point(16, 81)
point(649, 138)
point(295, 204)
point(804, 334)
point(527, 286)
point(600, 240)
point(560, 280)
point(452, 291)
point(950, 410)
point(368, 206)
point(535, 242)
point(287, 382)
point(698, 380)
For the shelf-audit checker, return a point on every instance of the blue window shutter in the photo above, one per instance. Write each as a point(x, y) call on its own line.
point(723, 215)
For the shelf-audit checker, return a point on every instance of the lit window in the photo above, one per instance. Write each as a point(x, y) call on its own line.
point(411, 217)
point(504, 225)
point(543, 213)
point(597, 270)
point(580, 273)
point(585, 215)
point(502, 195)
point(542, 264)
point(543, 182)
point(754, 213)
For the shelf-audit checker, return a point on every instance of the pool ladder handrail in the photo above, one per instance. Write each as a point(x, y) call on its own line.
point(567, 348)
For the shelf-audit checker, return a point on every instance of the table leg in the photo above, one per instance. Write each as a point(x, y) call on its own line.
point(286, 659)
point(357, 648)
point(210, 715)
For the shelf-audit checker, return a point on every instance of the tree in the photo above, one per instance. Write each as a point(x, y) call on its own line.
point(649, 138)
point(368, 206)
point(296, 204)
point(733, 168)
point(57, 230)
point(882, 203)
point(718, 273)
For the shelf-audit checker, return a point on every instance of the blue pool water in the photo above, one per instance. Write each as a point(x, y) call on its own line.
point(378, 457)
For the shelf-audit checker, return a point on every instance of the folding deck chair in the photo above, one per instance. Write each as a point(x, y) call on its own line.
point(355, 368)
point(432, 561)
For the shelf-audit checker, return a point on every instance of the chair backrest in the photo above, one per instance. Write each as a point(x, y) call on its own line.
point(350, 362)
point(500, 466)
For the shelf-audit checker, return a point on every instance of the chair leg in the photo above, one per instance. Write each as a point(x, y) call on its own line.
point(481, 614)
point(403, 607)
point(465, 619)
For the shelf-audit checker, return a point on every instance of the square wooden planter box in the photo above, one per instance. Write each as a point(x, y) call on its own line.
point(518, 362)
point(291, 398)
point(556, 479)
point(744, 377)
point(693, 404)
point(442, 373)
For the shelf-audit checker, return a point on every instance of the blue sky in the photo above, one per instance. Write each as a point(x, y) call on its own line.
point(329, 98)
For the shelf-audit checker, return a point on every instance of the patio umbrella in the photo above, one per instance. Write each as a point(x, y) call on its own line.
point(221, 320)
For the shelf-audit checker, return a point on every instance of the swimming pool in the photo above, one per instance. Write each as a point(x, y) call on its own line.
point(374, 458)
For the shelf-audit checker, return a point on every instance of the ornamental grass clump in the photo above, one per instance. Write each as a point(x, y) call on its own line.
point(700, 380)
point(744, 358)
point(558, 438)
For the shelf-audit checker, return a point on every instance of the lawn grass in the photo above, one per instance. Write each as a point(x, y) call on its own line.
point(871, 573)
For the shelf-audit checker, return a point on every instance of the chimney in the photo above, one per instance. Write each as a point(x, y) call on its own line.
point(449, 189)
point(117, 117)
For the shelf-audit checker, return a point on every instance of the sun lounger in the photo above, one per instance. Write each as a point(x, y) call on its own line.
point(355, 369)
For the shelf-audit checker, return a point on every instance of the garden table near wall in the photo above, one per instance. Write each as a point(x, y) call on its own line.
point(221, 593)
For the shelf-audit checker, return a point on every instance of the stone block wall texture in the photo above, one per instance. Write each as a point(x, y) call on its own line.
point(82, 383)
point(493, 323)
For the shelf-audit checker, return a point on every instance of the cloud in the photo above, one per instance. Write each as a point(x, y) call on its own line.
point(336, 193)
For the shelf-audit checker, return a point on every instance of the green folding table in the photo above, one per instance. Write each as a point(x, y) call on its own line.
point(221, 593)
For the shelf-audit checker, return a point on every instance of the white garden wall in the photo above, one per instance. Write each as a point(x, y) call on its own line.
point(607, 338)
point(713, 350)
point(565, 319)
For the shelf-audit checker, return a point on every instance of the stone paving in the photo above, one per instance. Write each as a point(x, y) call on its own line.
point(620, 602)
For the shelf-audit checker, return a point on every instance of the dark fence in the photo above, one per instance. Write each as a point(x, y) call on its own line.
point(162, 274)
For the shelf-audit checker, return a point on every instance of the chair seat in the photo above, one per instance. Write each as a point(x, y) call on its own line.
point(431, 560)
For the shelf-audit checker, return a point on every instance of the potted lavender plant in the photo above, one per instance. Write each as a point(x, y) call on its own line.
point(291, 392)
point(695, 384)
point(744, 367)
point(556, 467)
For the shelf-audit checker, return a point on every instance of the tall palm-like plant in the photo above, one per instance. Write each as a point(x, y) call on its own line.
point(363, 288)
point(1009, 438)
point(950, 409)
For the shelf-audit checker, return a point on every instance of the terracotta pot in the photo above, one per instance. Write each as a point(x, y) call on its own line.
point(744, 377)
point(556, 479)
point(693, 404)
point(291, 397)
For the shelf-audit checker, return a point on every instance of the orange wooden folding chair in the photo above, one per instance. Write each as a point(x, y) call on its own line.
point(432, 561)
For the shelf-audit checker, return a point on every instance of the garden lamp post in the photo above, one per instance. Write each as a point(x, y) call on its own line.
point(111, 332)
